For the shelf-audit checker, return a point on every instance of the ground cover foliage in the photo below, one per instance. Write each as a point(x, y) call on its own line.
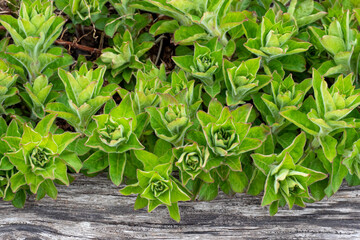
point(178, 100)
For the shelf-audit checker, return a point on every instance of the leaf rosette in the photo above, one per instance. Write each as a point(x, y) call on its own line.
point(170, 122)
point(124, 57)
point(38, 94)
point(339, 40)
point(148, 85)
point(37, 25)
point(156, 187)
point(85, 95)
point(283, 93)
point(304, 12)
point(224, 139)
point(275, 43)
point(288, 93)
point(191, 160)
point(228, 134)
point(115, 131)
point(40, 157)
point(33, 33)
point(329, 111)
point(287, 181)
point(205, 62)
point(186, 92)
point(274, 37)
point(241, 81)
point(114, 134)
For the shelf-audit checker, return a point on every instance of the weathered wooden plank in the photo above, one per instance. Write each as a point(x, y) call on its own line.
point(92, 208)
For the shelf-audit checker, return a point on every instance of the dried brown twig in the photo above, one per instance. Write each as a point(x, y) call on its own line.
point(72, 44)
point(78, 46)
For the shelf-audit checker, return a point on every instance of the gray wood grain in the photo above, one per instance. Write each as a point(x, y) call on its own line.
point(92, 208)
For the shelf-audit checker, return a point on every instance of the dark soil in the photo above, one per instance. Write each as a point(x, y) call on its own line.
point(61, 123)
point(167, 50)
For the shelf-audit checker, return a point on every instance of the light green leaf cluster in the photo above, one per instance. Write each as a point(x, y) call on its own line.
point(82, 10)
point(304, 12)
point(228, 133)
point(205, 65)
point(242, 81)
point(33, 33)
point(115, 135)
point(170, 121)
point(125, 56)
point(7, 90)
point(274, 41)
point(148, 86)
point(287, 181)
point(85, 95)
point(340, 41)
point(203, 19)
point(274, 37)
point(156, 187)
point(284, 93)
point(330, 109)
point(39, 157)
point(38, 94)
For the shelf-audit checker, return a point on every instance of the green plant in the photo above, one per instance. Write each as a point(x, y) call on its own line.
point(156, 186)
point(38, 94)
point(85, 95)
point(34, 33)
point(116, 133)
point(329, 112)
point(349, 149)
point(305, 12)
point(7, 91)
point(205, 65)
point(286, 181)
point(340, 41)
point(275, 42)
point(40, 157)
point(192, 160)
point(167, 98)
point(81, 11)
point(6, 168)
point(170, 121)
point(186, 92)
point(200, 20)
point(148, 86)
point(123, 58)
point(283, 93)
point(229, 134)
point(242, 81)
